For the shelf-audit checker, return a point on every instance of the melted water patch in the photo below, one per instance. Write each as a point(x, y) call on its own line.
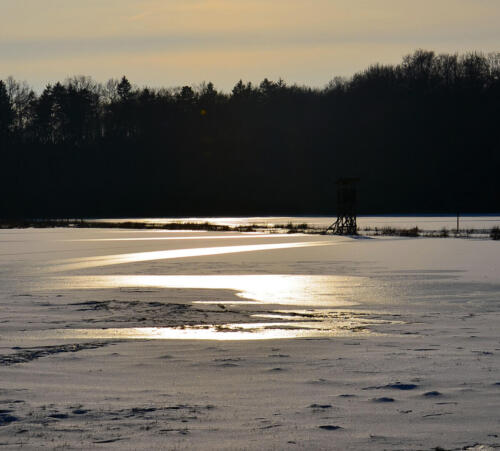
point(224, 332)
point(315, 290)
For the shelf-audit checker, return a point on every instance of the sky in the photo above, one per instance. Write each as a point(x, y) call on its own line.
point(185, 42)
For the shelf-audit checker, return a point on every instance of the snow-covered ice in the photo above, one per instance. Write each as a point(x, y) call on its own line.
point(200, 340)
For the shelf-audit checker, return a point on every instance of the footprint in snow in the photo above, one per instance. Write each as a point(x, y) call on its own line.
point(383, 399)
point(432, 394)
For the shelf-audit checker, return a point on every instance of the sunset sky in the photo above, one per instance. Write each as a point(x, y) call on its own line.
point(177, 42)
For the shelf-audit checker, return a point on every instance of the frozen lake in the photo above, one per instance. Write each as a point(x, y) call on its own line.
point(197, 340)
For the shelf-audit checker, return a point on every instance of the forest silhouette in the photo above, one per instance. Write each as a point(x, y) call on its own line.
point(422, 136)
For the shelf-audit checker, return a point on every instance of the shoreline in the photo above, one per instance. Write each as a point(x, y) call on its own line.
point(289, 228)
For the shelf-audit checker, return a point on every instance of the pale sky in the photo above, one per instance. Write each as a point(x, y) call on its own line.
point(177, 42)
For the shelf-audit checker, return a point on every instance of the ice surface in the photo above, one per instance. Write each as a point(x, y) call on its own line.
point(284, 341)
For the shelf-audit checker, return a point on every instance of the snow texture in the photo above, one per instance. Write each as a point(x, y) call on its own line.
point(119, 339)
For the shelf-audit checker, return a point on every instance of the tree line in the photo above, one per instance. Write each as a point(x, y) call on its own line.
point(421, 135)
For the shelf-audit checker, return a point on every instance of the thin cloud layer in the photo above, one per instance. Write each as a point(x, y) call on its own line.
point(43, 40)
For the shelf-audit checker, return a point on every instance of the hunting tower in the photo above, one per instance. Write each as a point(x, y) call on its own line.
point(346, 207)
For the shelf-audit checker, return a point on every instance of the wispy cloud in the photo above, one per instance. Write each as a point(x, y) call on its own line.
point(140, 16)
point(303, 41)
point(42, 48)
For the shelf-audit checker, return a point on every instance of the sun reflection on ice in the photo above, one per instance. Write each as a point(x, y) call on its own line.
point(313, 298)
point(225, 332)
point(306, 290)
point(107, 260)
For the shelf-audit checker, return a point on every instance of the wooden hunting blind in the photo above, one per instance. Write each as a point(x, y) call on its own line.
point(346, 207)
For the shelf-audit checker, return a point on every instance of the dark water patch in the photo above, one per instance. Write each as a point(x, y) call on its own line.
point(180, 407)
point(270, 426)
point(58, 416)
point(6, 418)
point(111, 440)
point(93, 305)
point(432, 394)
point(79, 411)
point(320, 381)
point(229, 359)
point(399, 386)
point(347, 395)
point(377, 437)
point(142, 410)
point(436, 414)
point(25, 355)
point(383, 399)
point(156, 313)
point(330, 427)
point(320, 406)
point(178, 431)
point(396, 386)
